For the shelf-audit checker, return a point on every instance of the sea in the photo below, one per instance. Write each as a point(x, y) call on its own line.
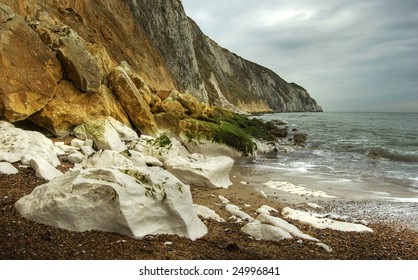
point(356, 155)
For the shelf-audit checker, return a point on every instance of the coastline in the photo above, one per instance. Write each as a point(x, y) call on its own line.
point(23, 239)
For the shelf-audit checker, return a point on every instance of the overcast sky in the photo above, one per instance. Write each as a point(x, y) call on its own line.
point(351, 55)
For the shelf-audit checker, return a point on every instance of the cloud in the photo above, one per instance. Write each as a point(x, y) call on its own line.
point(348, 54)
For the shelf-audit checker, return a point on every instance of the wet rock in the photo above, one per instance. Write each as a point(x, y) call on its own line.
point(299, 139)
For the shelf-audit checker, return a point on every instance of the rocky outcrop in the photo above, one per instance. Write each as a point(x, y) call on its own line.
point(29, 71)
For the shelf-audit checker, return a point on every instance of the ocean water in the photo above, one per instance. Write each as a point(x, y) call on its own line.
point(368, 153)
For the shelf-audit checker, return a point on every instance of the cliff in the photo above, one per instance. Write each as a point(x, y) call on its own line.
point(63, 63)
point(212, 73)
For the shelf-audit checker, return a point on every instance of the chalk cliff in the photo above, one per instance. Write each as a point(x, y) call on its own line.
point(63, 63)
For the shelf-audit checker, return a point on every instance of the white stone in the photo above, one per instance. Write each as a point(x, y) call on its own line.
point(137, 158)
point(162, 148)
point(77, 143)
point(286, 226)
point(235, 210)
point(103, 134)
point(59, 152)
point(43, 169)
point(262, 194)
point(325, 247)
point(66, 148)
point(265, 232)
point(314, 205)
point(75, 157)
point(265, 209)
point(125, 133)
point(223, 199)
point(107, 158)
point(153, 161)
point(207, 213)
point(315, 220)
point(210, 172)
point(16, 144)
point(7, 169)
point(87, 150)
point(134, 202)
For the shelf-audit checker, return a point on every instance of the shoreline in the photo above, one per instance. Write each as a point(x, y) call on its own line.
point(23, 239)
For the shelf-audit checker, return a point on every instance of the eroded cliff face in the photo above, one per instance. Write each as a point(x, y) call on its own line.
point(63, 63)
point(212, 73)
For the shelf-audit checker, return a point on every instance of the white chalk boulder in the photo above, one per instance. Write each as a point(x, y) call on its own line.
point(103, 134)
point(261, 231)
point(284, 225)
point(106, 159)
point(20, 145)
point(202, 172)
point(162, 148)
point(207, 213)
point(134, 202)
point(43, 169)
point(7, 169)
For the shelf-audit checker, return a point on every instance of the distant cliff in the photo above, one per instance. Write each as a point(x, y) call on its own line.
point(211, 72)
point(63, 63)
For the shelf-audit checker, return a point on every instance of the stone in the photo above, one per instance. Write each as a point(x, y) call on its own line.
point(7, 169)
point(70, 107)
point(265, 232)
point(286, 226)
point(75, 157)
point(134, 202)
point(43, 169)
point(20, 145)
point(132, 101)
point(87, 150)
point(137, 158)
point(107, 158)
point(80, 66)
point(207, 213)
point(208, 172)
point(235, 210)
point(163, 147)
point(29, 70)
point(104, 135)
point(299, 139)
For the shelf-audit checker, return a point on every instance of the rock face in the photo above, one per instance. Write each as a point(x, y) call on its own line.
point(59, 66)
point(212, 73)
point(133, 202)
point(29, 71)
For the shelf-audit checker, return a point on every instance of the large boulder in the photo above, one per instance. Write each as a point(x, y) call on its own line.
point(71, 107)
point(80, 65)
point(20, 145)
point(29, 70)
point(134, 202)
point(106, 133)
point(133, 99)
point(199, 171)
